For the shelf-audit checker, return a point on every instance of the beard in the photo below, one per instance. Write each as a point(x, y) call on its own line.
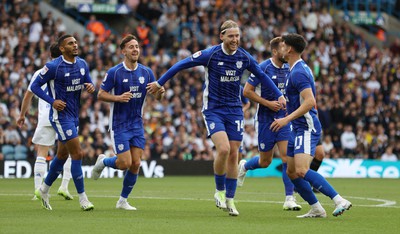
point(282, 59)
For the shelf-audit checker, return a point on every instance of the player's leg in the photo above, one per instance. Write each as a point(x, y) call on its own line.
point(290, 200)
point(305, 147)
point(55, 169)
point(40, 166)
point(74, 149)
point(130, 179)
point(221, 142)
point(63, 190)
point(266, 143)
point(43, 138)
point(231, 177)
point(302, 186)
point(123, 159)
point(137, 143)
point(317, 160)
point(319, 156)
point(298, 163)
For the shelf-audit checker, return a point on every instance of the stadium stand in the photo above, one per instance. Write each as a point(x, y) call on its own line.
point(358, 83)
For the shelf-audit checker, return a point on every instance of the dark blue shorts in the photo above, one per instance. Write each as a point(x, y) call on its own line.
point(125, 139)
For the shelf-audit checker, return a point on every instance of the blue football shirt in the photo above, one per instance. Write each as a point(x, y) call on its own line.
point(120, 79)
point(222, 75)
point(300, 77)
point(65, 81)
point(278, 75)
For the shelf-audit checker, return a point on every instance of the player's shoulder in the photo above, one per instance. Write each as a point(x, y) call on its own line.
point(265, 64)
point(81, 61)
point(142, 67)
point(115, 68)
point(210, 51)
point(53, 63)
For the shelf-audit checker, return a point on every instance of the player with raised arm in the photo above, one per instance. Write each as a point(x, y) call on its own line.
point(66, 77)
point(268, 110)
point(222, 108)
point(124, 86)
point(306, 130)
point(44, 135)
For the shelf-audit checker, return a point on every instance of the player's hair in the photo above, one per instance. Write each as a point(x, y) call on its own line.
point(274, 43)
point(296, 41)
point(127, 39)
point(227, 25)
point(62, 38)
point(55, 52)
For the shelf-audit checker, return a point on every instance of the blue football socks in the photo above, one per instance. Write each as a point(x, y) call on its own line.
point(220, 182)
point(320, 183)
point(56, 167)
point(304, 189)
point(231, 185)
point(77, 175)
point(110, 162)
point(129, 182)
point(252, 163)
point(289, 187)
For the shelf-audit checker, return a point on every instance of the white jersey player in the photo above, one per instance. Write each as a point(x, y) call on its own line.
point(44, 136)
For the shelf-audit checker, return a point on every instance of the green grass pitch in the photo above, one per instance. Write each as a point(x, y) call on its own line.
point(186, 205)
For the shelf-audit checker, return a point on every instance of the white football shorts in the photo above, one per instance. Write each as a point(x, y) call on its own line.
point(44, 135)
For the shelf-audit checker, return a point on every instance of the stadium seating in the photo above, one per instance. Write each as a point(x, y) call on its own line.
point(8, 152)
point(21, 152)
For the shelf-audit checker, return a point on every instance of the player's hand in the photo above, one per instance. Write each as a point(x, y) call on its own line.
point(89, 87)
point(21, 121)
point(59, 105)
point(273, 105)
point(282, 102)
point(125, 97)
point(160, 93)
point(152, 88)
point(278, 124)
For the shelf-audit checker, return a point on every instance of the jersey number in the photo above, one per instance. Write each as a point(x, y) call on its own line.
point(240, 124)
point(298, 142)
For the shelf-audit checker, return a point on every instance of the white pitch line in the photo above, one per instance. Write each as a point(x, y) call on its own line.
point(386, 203)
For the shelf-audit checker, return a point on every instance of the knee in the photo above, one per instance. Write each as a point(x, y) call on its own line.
point(123, 165)
point(265, 162)
point(135, 165)
point(301, 173)
point(223, 150)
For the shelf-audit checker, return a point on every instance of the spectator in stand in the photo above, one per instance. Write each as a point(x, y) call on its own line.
point(143, 33)
point(98, 28)
point(389, 156)
point(348, 141)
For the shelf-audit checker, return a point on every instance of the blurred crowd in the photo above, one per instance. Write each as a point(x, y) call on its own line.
point(358, 85)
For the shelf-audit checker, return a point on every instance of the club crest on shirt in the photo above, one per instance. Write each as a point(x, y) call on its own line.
point(82, 71)
point(44, 70)
point(121, 147)
point(212, 126)
point(239, 64)
point(141, 79)
point(68, 132)
point(197, 54)
point(262, 145)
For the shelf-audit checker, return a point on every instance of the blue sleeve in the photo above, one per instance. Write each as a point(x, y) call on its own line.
point(264, 78)
point(108, 81)
point(151, 75)
point(47, 73)
point(253, 80)
point(200, 58)
point(87, 78)
point(244, 99)
point(301, 81)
